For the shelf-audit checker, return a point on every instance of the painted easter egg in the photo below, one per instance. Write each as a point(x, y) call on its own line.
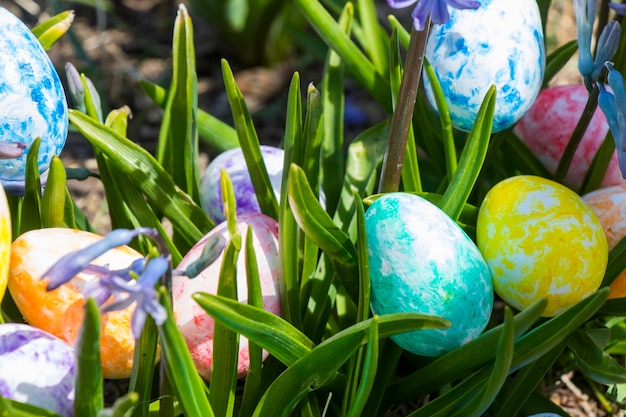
point(500, 43)
point(5, 241)
point(31, 98)
point(421, 261)
point(540, 239)
point(234, 163)
point(609, 204)
point(546, 129)
point(61, 311)
point(36, 368)
point(194, 323)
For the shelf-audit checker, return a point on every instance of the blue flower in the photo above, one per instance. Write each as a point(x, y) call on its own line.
point(141, 292)
point(436, 9)
point(619, 8)
point(613, 105)
point(589, 66)
point(73, 263)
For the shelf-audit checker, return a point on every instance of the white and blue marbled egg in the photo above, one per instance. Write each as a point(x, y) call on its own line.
point(421, 261)
point(32, 100)
point(234, 163)
point(36, 368)
point(500, 43)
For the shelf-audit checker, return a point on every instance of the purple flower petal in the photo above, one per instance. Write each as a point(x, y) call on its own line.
point(400, 4)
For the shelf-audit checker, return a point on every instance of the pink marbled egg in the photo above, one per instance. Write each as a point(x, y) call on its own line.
point(548, 125)
point(194, 323)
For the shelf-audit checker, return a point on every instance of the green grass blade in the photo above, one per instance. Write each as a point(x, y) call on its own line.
point(11, 408)
point(30, 215)
point(333, 100)
point(557, 60)
point(212, 131)
point(179, 366)
point(252, 388)
point(250, 145)
point(471, 160)
point(374, 37)
point(154, 182)
point(89, 396)
point(312, 137)
point(317, 224)
point(177, 149)
point(499, 372)
point(225, 342)
point(142, 374)
point(594, 362)
point(50, 31)
point(369, 373)
point(53, 201)
point(360, 67)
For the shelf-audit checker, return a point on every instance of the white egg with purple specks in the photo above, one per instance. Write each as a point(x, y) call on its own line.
point(36, 368)
point(500, 43)
point(421, 261)
point(31, 98)
point(234, 163)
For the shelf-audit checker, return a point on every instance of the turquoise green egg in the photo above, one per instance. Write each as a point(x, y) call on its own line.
point(422, 261)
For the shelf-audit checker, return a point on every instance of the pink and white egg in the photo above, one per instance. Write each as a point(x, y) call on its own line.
point(546, 129)
point(194, 323)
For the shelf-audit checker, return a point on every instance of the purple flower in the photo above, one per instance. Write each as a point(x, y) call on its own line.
point(73, 263)
point(619, 8)
point(588, 66)
point(140, 291)
point(613, 105)
point(436, 9)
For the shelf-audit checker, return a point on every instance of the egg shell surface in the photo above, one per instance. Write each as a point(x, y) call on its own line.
point(609, 204)
point(194, 323)
point(421, 261)
point(547, 127)
point(60, 312)
point(540, 239)
point(234, 163)
point(5, 242)
point(31, 98)
point(500, 43)
point(36, 368)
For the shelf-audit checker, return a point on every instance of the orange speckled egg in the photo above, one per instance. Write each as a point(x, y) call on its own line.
point(540, 239)
point(60, 312)
point(609, 204)
point(194, 323)
point(5, 241)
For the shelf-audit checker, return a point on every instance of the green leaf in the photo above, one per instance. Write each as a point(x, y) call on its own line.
point(122, 406)
point(215, 133)
point(30, 216)
point(333, 99)
point(179, 366)
point(318, 225)
point(557, 60)
point(225, 342)
point(11, 408)
point(250, 145)
point(53, 202)
point(360, 67)
point(502, 363)
point(594, 362)
point(369, 373)
point(89, 397)
point(616, 263)
point(471, 160)
point(599, 165)
point(142, 375)
point(177, 149)
point(374, 39)
point(50, 31)
point(252, 388)
point(307, 375)
point(154, 182)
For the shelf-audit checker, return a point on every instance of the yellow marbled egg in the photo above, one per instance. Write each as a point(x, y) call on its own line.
point(540, 239)
point(5, 241)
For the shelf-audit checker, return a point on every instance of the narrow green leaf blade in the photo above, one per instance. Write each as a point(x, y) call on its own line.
point(30, 215)
point(50, 31)
point(594, 362)
point(53, 202)
point(89, 396)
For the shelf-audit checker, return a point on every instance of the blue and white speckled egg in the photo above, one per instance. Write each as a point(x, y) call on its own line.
point(501, 44)
point(234, 163)
point(31, 98)
point(422, 261)
point(36, 368)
